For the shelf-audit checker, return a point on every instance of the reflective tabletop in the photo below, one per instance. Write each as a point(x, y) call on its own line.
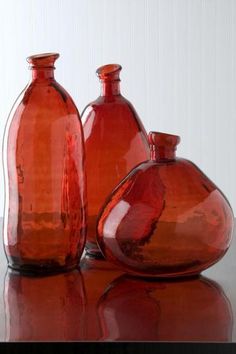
point(100, 303)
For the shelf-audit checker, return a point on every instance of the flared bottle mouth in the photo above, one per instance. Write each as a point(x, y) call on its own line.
point(44, 60)
point(109, 72)
point(163, 139)
point(163, 145)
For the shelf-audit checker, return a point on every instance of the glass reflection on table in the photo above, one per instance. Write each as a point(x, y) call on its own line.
point(194, 309)
point(50, 308)
point(99, 303)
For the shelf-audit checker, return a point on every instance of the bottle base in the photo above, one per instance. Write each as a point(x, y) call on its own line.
point(163, 277)
point(94, 254)
point(41, 269)
point(91, 250)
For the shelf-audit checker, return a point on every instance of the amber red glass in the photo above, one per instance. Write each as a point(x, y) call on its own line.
point(115, 142)
point(185, 310)
point(44, 227)
point(166, 218)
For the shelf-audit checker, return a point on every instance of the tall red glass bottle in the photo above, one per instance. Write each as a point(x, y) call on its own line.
point(44, 227)
point(166, 218)
point(115, 142)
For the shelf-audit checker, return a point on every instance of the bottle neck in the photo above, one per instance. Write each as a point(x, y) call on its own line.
point(162, 153)
point(110, 88)
point(42, 73)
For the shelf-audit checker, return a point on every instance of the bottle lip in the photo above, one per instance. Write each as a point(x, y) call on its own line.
point(161, 139)
point(109, 72)
point(43, 60)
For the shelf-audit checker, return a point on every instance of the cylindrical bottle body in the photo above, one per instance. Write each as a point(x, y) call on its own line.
point(45, 223)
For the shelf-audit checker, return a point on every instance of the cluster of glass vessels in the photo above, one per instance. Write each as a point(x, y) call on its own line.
point(101, 182)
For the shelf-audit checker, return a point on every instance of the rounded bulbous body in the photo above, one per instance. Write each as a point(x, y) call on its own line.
point(115, 142)
point(44, 226)
point(165, 219)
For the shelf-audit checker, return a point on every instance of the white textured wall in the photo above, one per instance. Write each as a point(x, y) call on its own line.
point(178, 58)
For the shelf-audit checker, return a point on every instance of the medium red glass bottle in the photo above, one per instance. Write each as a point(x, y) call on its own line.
point(196, 309)
point(166, 218)
point(44, 226)
point(115, 142)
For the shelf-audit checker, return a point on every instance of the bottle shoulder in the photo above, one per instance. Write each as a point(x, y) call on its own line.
point(174, 179)
point(118, 114)
point(107, 104)
point(42, 97)
point(179, 168)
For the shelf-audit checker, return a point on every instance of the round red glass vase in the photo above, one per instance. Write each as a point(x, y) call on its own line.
point(166, 218)
point(45, 219)
point(115, 142)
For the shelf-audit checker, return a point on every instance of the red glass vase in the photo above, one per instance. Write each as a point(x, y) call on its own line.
point(189, 310)
point(166, 218)
point(115, 142)
point(44, 227)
